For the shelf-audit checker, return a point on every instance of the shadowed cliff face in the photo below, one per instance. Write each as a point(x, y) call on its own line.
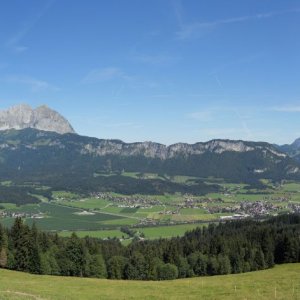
point(43, 118)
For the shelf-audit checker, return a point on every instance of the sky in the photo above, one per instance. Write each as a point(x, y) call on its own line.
point(162, 70)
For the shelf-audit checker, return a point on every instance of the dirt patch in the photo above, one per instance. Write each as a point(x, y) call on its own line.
point(23, 294)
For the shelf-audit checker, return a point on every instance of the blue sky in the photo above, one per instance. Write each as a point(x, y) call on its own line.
point(160, 70)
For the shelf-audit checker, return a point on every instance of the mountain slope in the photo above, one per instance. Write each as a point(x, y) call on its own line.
point(42, 118)
point(293, 150)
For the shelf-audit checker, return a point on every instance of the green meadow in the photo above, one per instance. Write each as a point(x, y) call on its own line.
point(281, 282)
point(149, 232)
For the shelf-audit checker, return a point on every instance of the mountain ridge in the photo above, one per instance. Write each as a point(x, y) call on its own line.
point(35, 152)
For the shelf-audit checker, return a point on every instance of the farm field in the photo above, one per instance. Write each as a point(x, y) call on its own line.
point(57, 218)
point(281, 282)
point(103, 214)
point(167, 231)
point(101, 234)
point(149, 232)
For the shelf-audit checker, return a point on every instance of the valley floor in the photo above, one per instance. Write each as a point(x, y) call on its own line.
point(281, 282)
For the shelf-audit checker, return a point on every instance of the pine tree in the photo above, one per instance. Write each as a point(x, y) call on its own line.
point(97, 267)
point(34, 252)
point(116, 266)
point(21, 243)
point(3, 247)
point(76, 255)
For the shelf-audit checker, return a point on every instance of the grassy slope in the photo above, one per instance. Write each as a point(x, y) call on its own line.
point(254, 285)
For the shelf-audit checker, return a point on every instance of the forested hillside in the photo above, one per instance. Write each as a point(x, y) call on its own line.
point(64, 161)
point(233, 247)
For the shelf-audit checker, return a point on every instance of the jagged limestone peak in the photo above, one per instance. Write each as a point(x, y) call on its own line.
point(22, 116)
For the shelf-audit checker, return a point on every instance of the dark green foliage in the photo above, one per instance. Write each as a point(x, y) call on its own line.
point(3, 247)
point(198, 263)
point(184, 269)
point(167, 272)
point(17, 195)
point(34, 252)
point(233, 247)
point(96, 266)
point(116, 267)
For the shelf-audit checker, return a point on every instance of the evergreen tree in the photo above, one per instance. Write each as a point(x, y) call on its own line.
point(116, 266)
point(76, 256)
point(97, 267)
point(259, 260)
point(198, 263)
point(224, 264)
point(184, 269)
point(21, 243)
point(3, 247)
point(167, 272)
point(34, 253)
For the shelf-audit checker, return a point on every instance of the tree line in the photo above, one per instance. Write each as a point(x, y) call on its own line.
point(232, 247)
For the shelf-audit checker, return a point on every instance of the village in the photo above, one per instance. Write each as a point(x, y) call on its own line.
point(11, 214)
point(133, 201)
point(268, 205)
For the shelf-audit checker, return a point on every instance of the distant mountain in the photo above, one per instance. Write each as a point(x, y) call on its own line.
point(43, 118)
point(293, 150)
point(296, 144)
point(73, 160)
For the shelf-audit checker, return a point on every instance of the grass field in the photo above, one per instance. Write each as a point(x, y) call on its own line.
point(86, 203)
point(101, 234)
point(149, 232)
point(281, 282)
point(167, 231)
point(59, 217)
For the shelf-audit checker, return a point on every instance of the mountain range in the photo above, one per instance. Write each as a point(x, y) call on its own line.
point(41, 145)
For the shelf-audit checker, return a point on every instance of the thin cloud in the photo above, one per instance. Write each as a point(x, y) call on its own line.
point(34, 84)
point(218, 81)
point(288, 109)
point(156, 59)
point(14, 41)
point(178, 11)
point(105, 74)
point(197, 29)
point(244, 124)
point(202, 116)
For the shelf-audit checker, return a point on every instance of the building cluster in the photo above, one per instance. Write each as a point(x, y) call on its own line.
point(132, 201)
point(190, 202)
point(254, 209)
point(11, 214)
point(295, 207)
point(258, 208)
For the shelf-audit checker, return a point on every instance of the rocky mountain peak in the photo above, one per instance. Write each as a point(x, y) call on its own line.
point(22, 116)
point(296, 144)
